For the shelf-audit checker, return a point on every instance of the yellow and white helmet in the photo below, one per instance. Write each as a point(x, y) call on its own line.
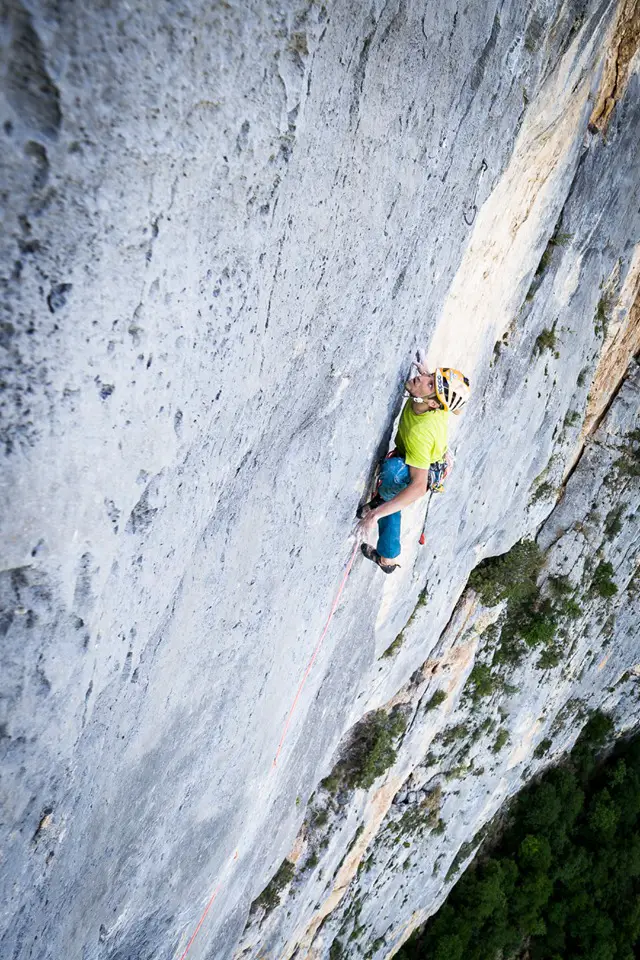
point(452, 388)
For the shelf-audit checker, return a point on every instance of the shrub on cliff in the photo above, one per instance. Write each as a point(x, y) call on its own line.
point(511, 576)
point(369, 753)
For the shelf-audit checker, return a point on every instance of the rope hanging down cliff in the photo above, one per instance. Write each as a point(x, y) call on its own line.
point(408, 479)
point(287, 724)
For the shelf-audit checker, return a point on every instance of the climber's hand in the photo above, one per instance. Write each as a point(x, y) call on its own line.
point(366, 525)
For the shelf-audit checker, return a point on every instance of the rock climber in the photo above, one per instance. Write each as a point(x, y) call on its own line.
point(420, 445)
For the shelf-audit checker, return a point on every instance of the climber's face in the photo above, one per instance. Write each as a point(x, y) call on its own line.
point(422, 386)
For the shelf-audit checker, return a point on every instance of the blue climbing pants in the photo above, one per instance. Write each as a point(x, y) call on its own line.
point(394, 477)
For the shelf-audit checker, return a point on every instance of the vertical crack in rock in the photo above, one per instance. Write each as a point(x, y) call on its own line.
point(622, 48)
point(618, 314)
point(28, 86)
point(510, 226)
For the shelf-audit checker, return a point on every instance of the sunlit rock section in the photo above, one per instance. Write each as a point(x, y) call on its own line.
point(224, 231)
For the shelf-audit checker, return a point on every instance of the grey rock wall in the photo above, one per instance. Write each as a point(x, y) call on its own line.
point(224, 231)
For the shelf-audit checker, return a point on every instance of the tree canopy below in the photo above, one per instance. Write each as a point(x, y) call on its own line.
point(563, 880)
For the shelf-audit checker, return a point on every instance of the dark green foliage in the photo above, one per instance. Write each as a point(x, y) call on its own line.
point(613, 523)
point(270, 896)
point(457, 732)
point(370, 752)
point(546, 340)
point(561, 589)
point(563, 880)
point(424, 815)
point(560, 239)
point(602, 584)
point(467, 848)
point(560, 586)
point(319, 818)
point(336, 951)
point(511, 576)
point(572, 418)
point(549, 658)
point(601, 320)
point(501, 739)
point(545, 260)
point(435, 701)
point(530, 619)
point(545, 490)
point(394, 647)
point(542, 748)
point(629, 462)
point(481, 681)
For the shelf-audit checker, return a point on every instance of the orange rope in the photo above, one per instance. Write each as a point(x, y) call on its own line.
point(315, 653)
point(286, 726)
point(201, 921)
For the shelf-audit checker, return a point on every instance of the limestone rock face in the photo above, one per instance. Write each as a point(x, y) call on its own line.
point(225, 230)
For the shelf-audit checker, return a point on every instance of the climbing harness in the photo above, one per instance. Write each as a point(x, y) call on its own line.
point(438, 473)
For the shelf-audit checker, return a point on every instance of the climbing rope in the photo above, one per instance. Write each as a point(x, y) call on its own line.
point(201, 921)
point(287, 724)
point(315, 652)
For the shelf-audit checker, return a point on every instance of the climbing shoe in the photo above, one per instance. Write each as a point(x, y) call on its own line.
point(372, 554)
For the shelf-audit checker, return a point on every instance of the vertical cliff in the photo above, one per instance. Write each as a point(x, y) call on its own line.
point(225, 229)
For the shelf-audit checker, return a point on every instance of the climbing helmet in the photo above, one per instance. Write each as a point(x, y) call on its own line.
point(452, 388)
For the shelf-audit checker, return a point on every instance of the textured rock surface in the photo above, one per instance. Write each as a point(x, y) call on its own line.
point(224, 230)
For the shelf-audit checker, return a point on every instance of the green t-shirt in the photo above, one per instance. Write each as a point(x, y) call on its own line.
point(422, 437)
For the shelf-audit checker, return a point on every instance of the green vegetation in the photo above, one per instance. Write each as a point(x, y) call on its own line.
point(465, 850)
point(572, 418)
point(336, 951)
point(549, 658)
point(613, 522)
point(500, 741)
point(270, 896)
point(435, 701)
point(557, 240)
point(370, 752)
point(560, 586)
point(545, 261)
point(482, 682)
point(546, 340)
point(560, 239)
point(318, 818)
point(530, 619)
point(545, 490)
point(509, 576)
point(457, 732)
point(602, 584)
point(603, 312)
point(629, 462)
point(394, 647)
point(422, 816)
point(543, 748)
point(562, 880)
